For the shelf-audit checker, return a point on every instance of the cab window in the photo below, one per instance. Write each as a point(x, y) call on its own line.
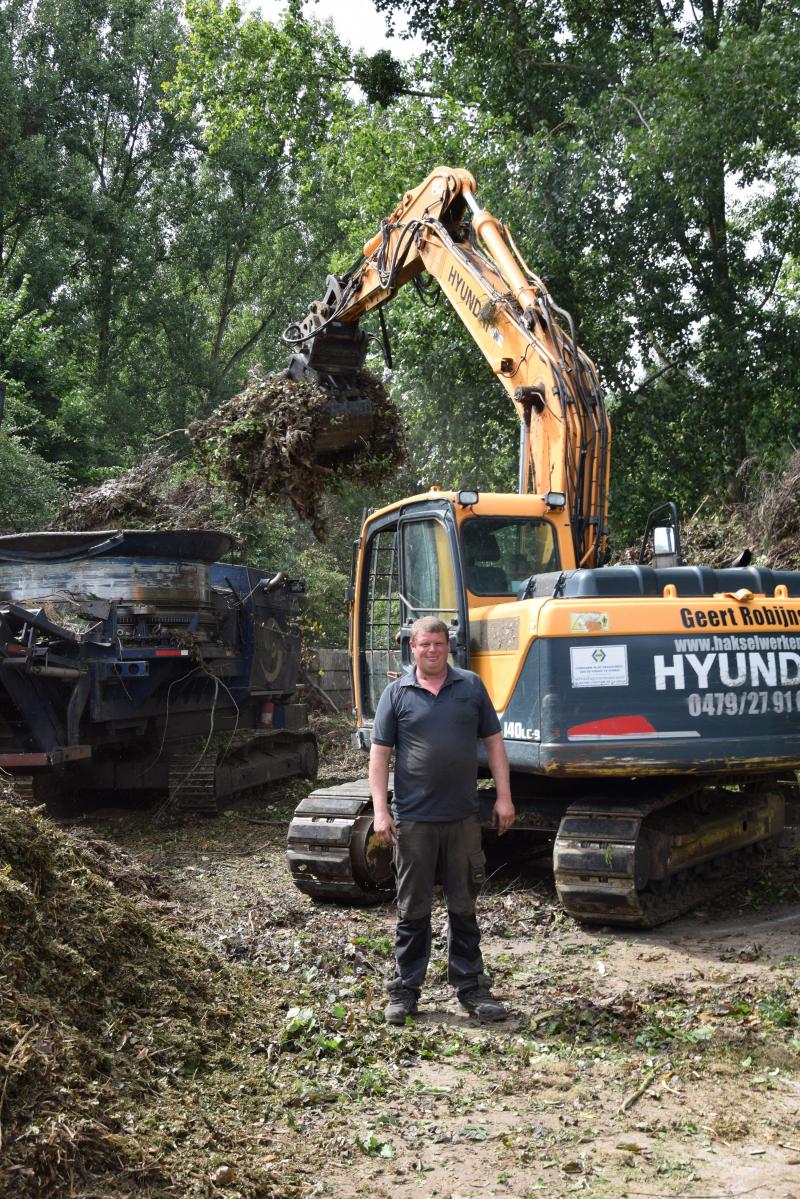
point(427, 573)
point(501, 553)
point(379, 651)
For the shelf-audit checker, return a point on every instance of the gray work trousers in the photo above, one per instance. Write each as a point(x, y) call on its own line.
point(428, 852)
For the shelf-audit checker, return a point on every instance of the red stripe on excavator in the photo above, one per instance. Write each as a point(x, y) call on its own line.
point(614, 726)
point(172, 653)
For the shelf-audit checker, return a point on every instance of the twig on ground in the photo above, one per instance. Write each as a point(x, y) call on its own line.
point(637, 1094)
point(223, 851)
point(309, 682)
point(701, 1195)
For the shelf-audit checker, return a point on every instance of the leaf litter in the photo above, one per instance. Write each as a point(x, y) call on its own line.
point(178, 1021)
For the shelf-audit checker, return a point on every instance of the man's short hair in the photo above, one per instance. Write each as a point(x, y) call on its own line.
point(429, 624)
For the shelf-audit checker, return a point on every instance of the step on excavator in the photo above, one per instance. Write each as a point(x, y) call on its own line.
point(651, 712)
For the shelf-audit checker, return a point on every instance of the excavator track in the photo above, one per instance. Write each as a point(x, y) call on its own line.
point(643, 864)
point(250, 761)
point(332, 851)
point(635, 864)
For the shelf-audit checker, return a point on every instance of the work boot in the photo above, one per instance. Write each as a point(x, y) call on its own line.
point(402, 1003)
point(480, 1002)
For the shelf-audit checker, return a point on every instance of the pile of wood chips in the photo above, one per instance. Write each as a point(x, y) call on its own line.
point(147, 494)
point(92, 985)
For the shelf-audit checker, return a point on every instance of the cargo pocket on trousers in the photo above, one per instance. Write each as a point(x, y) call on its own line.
point(477, 870)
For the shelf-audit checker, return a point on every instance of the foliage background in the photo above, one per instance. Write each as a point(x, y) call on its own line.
point(175, 184)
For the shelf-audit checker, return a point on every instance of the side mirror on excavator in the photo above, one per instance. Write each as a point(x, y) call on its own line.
point(664, 546)
point(664, 524)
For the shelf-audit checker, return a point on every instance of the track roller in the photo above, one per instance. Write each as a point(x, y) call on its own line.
point(640, 865)
point(332, 850)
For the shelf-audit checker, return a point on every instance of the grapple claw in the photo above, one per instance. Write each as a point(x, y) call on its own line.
point(330, 354)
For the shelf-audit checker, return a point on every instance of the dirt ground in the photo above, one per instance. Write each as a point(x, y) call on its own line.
point(661, 1063)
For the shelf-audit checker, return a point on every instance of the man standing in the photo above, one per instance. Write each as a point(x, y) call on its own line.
point(432, 717)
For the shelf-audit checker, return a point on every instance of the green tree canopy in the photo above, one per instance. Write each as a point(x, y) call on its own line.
point(33, 381)
point(652, 176)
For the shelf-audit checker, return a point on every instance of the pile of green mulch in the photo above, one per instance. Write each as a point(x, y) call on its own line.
point(284, 437)
point(137, 1060)
point(115, 1028)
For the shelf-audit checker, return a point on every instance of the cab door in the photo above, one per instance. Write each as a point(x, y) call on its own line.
point(431, 582)
point(408, 566)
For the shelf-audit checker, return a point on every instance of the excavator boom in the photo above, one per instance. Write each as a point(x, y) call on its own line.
point(529, 342)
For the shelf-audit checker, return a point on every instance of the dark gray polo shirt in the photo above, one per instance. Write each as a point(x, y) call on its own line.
point(435, 739)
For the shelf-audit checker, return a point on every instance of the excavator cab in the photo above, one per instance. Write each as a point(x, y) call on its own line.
point(457, 556)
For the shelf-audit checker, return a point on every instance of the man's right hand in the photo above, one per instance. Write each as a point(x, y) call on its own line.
point(385, 828)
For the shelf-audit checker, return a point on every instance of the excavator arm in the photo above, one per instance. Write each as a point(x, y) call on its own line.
point(528, 341)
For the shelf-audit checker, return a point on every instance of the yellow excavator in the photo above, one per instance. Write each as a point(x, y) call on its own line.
point(651, 712)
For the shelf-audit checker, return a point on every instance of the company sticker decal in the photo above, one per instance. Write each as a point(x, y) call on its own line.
point(589, 622)
point(733, 675)
point(599, 665)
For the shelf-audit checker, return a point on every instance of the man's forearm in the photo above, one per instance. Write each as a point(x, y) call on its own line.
point(498, 764)
point(503, 814)
point(379, 777)
point(382, 822)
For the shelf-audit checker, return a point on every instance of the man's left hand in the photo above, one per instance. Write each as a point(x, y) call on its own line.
point(503, 815)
